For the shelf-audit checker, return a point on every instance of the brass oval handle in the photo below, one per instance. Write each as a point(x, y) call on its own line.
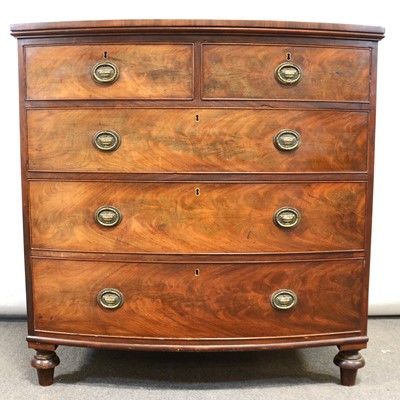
point(283, 299)
point(110, 298)
point(287, 140)
point(287, 217)
point(105, 72)
point(108, 216)
point(106, 140)
point(288, 73)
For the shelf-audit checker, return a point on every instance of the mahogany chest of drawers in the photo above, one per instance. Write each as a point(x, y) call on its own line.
point(197, 185)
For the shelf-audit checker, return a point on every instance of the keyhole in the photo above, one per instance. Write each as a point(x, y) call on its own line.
point(197, 272)
point(197, 191)
point(288, 56)
point(105, 55)
point(197, 118)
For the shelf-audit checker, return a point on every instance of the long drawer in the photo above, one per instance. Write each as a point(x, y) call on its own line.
point(145, 71)
point(197, 140)
point(248, 71)
point(197, 217)
point(197, 300)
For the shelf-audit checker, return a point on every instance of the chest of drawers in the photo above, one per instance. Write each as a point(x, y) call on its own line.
point(197, 185)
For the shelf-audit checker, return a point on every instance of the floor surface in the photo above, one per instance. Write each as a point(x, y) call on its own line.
point(290, 374)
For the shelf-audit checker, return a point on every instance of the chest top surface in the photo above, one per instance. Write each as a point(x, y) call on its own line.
point(186, 25)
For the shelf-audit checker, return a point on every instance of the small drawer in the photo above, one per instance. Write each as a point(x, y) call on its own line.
point(191, 140)
point(285, 73)
point(197, 217)
point(135, 71)
point(181, 301)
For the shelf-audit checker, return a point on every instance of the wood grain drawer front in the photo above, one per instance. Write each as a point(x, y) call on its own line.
point(190, 140)
point(197, 217)
point(153, 71)
point(248, 72)
point(172, 301)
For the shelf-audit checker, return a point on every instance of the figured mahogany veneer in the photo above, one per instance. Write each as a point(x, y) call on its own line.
point(197, 185)
point(172, 301)
point(156, 71)
point(202, 140)
point(333, 74)
point(170, 218)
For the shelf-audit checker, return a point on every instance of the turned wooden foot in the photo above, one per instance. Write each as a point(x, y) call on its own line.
point(45, 361)
point(349, 362)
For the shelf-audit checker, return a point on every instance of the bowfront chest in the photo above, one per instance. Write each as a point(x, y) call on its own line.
point(197, 185)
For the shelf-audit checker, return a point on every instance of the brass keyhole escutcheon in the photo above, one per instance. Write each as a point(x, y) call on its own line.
point(196, 272)
point(197, 191)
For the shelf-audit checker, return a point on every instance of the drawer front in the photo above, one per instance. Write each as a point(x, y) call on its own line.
point(248, 72)
point(190, 140)
point(196, 301)
point(146, 71)
point(197, 217)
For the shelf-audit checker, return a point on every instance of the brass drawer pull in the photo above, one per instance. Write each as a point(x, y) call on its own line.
point(287, 217)
point(106, 140)
point(105, 72)
point(283, 299)
point(288, 73)
point(287, 140)
point(108, 216)
point(109, 298)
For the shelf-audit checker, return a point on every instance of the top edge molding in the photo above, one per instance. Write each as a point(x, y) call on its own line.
point(124, 27)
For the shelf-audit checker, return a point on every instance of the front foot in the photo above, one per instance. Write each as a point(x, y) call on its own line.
point(45, 361)
point(349, 362)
